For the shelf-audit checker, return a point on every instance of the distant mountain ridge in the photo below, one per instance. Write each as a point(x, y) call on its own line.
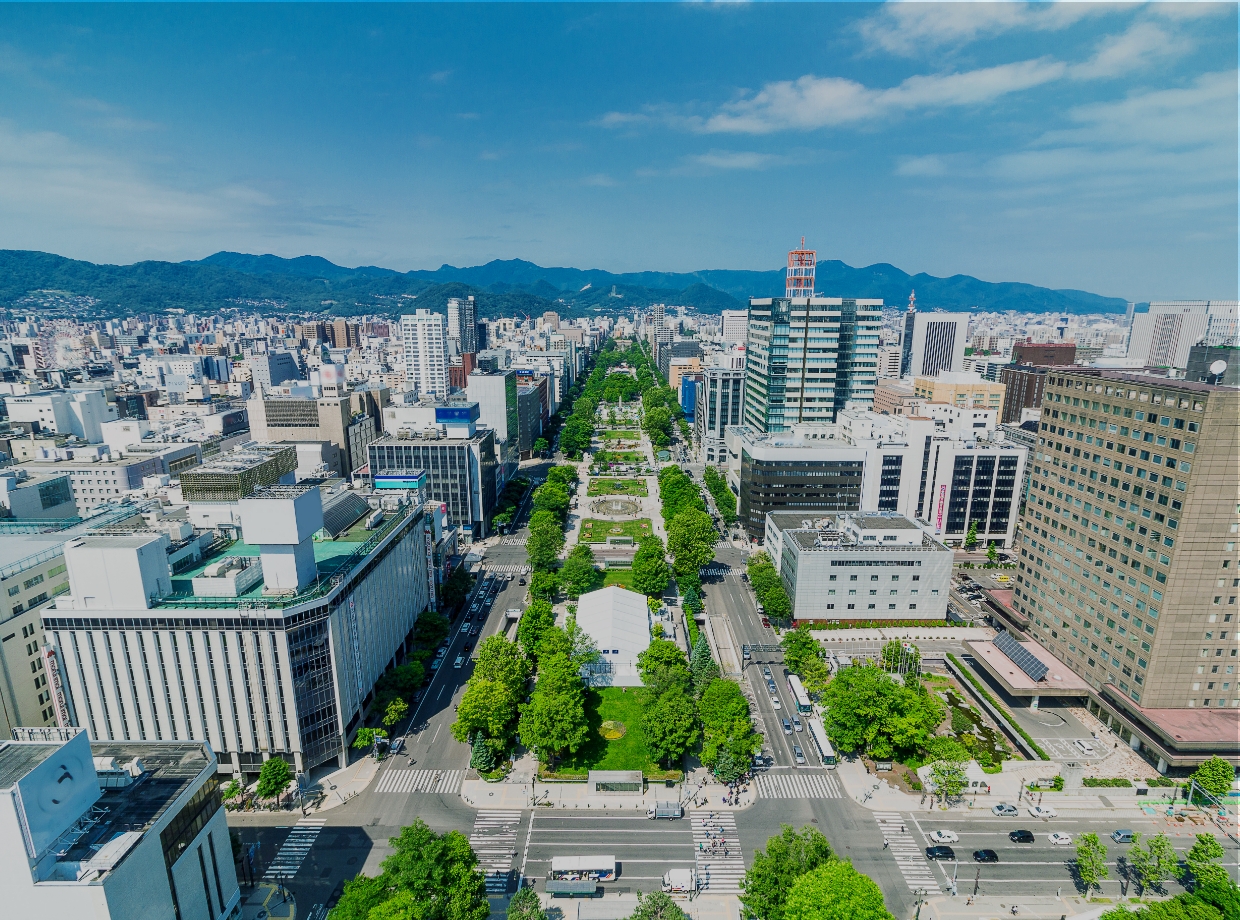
point(228, 280)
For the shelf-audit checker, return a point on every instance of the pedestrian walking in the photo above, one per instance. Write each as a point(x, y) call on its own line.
point(886, 843)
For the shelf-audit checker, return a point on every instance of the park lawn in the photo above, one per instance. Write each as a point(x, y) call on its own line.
point(621, 577)
point(615, 435)
point(626, 456)
point(618, 704)
point(596, 531)
point(604, 486)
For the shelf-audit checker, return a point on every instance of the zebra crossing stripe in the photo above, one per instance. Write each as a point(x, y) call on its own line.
point(294, 849)
point(717, 852)
point(494, 841)
point(445, 782)
point(798, 786)
point(909, 856)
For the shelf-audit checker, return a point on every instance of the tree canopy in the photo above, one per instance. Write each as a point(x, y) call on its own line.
point(787, 856)
point(868, 710)
point(835, 891)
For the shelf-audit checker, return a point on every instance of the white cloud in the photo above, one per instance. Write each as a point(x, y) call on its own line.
point(1141, 45)
point(915, 28)
point(929, 165)
point(815, 102)
point(599, 180)
point(734, 159)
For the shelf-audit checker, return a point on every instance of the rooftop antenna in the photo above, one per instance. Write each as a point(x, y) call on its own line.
point(912, 300)
point(800, 277)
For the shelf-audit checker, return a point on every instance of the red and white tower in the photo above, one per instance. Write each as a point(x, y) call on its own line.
point(800, 278)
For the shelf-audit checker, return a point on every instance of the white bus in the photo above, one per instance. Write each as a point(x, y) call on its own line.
point(821, 742)
point(583, 868)
point(799, 697)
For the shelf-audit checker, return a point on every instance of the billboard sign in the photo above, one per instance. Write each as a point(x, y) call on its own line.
point(938, 521)
point(411, 481)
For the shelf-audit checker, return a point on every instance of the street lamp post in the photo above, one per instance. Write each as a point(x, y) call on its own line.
point(921, 894)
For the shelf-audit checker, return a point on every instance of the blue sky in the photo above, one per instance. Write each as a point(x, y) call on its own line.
point(1068, 145)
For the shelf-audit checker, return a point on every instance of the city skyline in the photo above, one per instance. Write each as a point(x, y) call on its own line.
point(1074, 146)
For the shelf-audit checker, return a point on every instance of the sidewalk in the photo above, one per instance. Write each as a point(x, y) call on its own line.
point(341, 785)
point(265, 900)
point(702, 907)
point(999, 907)
point(697, 794)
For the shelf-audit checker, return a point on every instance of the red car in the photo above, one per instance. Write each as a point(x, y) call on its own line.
point(766, 622)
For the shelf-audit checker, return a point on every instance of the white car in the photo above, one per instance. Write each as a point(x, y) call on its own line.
point(1060, 840)
point(1042, 811)
point(460, 660)
point(776, 703)
point(1084, 747)
point(944, 837)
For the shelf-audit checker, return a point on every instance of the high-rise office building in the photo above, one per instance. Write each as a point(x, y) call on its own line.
point(1023, 389)
point(424, 336)
point(809, 358)
point(735, 326)
point(720, 399)
point(1128, 559)
point(463, 323)
point(496, 395)
point(1162, 336)
point(933, 342)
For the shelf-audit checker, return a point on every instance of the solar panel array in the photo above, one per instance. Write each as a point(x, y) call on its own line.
point(1021, 656)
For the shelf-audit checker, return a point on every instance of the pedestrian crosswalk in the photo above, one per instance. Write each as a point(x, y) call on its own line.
point(717, 568)
point(510, 569)
point(494, 841)
point(294, 850)
point(799, 785)
point(910, 858)
point(513, 541)
point(447, 782)
point(717, 850)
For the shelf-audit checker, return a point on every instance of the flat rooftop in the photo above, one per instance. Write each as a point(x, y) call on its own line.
point(808, 540)
point(1060, 679)
point(1194, 726)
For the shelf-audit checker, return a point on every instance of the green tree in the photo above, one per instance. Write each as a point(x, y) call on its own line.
point(691, 538)
point(578, 574)
point(1218, 890)
point(369, 738)
point(487, 707)
point(787, 857)
point(565, 475)
point(361, 895)
point(1153, 862)
point(656, 905)
point(481, 757)
point(1091, 861)
point(835, 891)
point(396, 710)
point(1181, 907)
point(503, 662)
point(537, 619)
point(430, 629)
point(702, 665)
point(540, 446)
point(1215, 776)
point(542, 547)
point(399, 683)
point(1203, 856)
point(439, 871)
point(663, 667)
point(949, 778)
point(273, 778)
point(815, 675)
point(970, 538)
point(650, 572)
point(899, 659)
point(992, 552)
point(544, 586)
point(525, 905)
point(456, 588)
point(691, 599)
point(868, 710)
point(554, 720)
point(553, 497)
point(670, 727)
point(799, 647)
point(583, 650)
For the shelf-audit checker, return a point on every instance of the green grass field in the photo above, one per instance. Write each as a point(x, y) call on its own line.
point(618, 487)
point(621, 577)
point(616, 435)
point(625, 456)
point(596, 531)
point(626, 753)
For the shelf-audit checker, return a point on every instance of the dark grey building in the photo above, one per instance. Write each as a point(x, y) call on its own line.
point(529, 419)
point(1203, 357)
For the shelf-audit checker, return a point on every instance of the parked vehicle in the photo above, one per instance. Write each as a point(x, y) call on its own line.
point(1084, 747)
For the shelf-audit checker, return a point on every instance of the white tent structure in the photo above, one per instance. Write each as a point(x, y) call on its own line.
point(618, 620)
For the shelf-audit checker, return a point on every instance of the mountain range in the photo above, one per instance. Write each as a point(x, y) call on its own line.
point(56, 285)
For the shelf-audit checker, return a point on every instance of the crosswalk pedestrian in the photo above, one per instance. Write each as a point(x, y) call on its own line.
point(494, 840)
point(294, 849)
point(910, 857)
point(717, 568)
point(447, 782)
point(799, 785)
point(510, 569)
point(717, 851)
point(514, 541)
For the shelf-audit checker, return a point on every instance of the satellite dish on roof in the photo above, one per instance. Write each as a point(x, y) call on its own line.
point(1218, 367)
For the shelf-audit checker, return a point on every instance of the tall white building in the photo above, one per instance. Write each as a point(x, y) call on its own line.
point(933, 342)
point(1163, 336)
point(424, 335)
point(735, 327)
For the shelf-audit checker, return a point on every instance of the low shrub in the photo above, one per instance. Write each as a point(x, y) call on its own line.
point(1106, 782)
